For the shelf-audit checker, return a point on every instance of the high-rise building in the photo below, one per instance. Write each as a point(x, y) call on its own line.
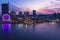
point(34, 12)
point(26, 14)
point(13, 14)
point(20, 13)
point(5, 12)
point(5, 9)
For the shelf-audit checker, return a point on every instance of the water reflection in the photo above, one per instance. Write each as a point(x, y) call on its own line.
point(52, 23)
point(20, 25)
point(26, 26)
point(34, 31)
point(6, 27)
point(33, 25)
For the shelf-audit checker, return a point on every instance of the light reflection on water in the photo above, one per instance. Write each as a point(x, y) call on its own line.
point(34, 31)
point(6, 27)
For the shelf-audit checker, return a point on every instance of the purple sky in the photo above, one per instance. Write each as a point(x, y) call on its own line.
point(42, 6)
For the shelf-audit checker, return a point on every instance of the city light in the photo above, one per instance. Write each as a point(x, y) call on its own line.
point(6, 27)
point(6, 17)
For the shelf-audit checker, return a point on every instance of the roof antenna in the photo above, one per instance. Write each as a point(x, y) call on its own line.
point(8, 2)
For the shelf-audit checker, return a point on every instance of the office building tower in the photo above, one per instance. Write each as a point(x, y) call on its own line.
point(13, 14)
point(34, 12)
point(5, 9)
point(5, 12)
point(26, 14)
point(20, 13)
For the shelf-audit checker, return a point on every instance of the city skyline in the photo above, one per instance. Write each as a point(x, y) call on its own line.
point(43, 7)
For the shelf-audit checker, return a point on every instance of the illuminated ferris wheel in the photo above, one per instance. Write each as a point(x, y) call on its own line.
point(6, 17)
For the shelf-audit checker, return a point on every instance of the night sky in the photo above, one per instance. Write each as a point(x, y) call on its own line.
point(42, 6)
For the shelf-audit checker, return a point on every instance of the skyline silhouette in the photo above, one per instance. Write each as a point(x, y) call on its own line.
point(50, 7)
